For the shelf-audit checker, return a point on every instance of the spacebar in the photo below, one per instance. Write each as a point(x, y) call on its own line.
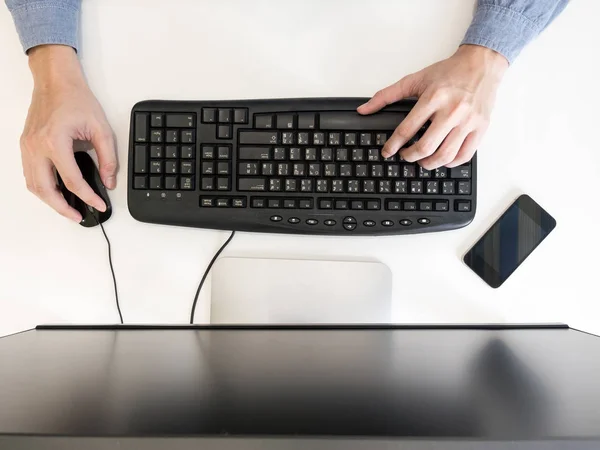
point(347, 120)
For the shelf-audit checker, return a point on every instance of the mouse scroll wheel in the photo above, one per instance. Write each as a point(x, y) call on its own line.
point(91, 209)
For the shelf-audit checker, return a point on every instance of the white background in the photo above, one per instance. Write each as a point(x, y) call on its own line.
point(543, 141)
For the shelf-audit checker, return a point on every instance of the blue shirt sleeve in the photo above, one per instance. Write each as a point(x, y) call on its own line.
point(46, 21)
point(507, 26)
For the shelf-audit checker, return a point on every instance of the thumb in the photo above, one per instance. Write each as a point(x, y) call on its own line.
point(405, 87)
point(104, 144)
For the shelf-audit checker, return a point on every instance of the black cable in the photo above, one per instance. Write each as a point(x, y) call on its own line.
point(112, 270)
point(206, 274)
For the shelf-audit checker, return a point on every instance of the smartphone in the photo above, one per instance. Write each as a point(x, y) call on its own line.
point(514, 236)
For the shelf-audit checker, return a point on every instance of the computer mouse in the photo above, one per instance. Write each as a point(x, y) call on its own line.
point(91, 216)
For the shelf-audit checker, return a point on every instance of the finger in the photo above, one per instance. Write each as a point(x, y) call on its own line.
point(45, 188)
point(27, 173)
point(448, 150)
point(428, 143)
point(71, 175)
point(104, 144)
point(468, 149)
point(409, 127)
point(405, 87)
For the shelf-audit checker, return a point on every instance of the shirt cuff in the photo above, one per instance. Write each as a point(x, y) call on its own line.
point(47, 22)
point(501, 29)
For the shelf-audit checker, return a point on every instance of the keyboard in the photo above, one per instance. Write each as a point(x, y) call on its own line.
point(305, 166)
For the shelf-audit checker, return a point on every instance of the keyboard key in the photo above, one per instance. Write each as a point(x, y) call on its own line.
point(259, 137)
point(283, 169)
point(464, 187)
point(380, 139)
point(276, 218)
point(441, 206)
point(330, 222)
point(334, 139)
point(310, 154)
point(223, 203)
point(347, 120)
point(255, 153)
point(156, 167)
point(373, 205)
point(393, 158)
point(208, 168)
point(387, 223)
point(140, 182)
point(406, 222)
point(140, 159)
point(369, 186)
point(350, 139)
point(373, 154)
point(275, 185)
point(172, 151)
point(432, 187)
point(285, 121)
point(353, 186)
point(322, 185)
point(268, 169)
point(357, 204)
point(345, 170)
point(385, 187)
point(369, 223)
point(341, 154)
point(425, 206)
point(303, 138)
point(330, 170)
point(289, 203)
point(248, 168)
point(440, 172)
point(141, 127)
point(409, 171)
point(156, 120)
point(156, 183)
point(187, 152)
point(365, 139)
point(187, 183)
point(377, 170)
point(274, 203)
point(400, 187)
point(447, 187)
point(225, 132)
point(171, 166)
point(312, 221)
point(157, 136)
point(392, 205)
point(409, 206)
point(358, 154)
point(295, 154)
point(208, 184)
point(171, 183)
point(424, 173)
point(181, 120)
point(416, 187)
point(208, 152)
point(251, 184)
point(209, 115)
point(239, 202)
point(325, 203)
point(424, 221)
point(156, 151)
point(263, 121)
point(240, 115)
point(337, 186)
point(306, 121)
point(224, 153)
point(460, 172)
point(319, 138)
point(222, 168)
point(279, 153)
point(306, 185)
point(463, 206)
point(341, 204)
point(299, 169)
point(287, 138)
point(224, 115)
point(207, 202)
point(305, 204)
point(326, 154)
point(393, 171)
point(188, 136)
point(362, 170)
point(291, 185)
point(258, 203)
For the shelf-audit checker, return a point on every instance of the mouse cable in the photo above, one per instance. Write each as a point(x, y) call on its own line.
point(206, 274)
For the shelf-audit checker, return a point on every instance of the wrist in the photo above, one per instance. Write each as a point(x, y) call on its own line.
point(484, 59)
point(54, 66)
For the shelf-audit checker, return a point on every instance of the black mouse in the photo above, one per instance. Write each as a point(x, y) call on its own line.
point(91, 216)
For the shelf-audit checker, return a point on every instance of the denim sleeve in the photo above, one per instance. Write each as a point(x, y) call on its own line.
point(46, 21)
point(507, 26)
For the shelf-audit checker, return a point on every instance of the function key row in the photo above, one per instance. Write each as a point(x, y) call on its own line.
point(158, 136)
point(148, 126)
point(225, 115)
point(172, 151)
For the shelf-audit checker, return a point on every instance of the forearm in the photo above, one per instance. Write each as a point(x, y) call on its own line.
point(54, 66)
point(40, 22)
point(507, 26)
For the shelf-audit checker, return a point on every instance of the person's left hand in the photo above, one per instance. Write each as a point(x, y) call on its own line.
point(457, 95)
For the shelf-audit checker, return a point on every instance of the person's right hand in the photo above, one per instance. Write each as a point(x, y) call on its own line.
point(63, 110)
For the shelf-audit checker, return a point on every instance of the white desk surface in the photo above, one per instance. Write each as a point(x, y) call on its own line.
point(543, 141)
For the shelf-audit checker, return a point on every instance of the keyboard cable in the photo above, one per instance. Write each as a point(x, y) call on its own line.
point(206, 272)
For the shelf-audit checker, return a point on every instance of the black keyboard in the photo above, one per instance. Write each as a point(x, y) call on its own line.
point(310, 166)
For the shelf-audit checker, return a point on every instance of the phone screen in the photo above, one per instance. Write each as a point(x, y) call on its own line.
point(522, 227)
